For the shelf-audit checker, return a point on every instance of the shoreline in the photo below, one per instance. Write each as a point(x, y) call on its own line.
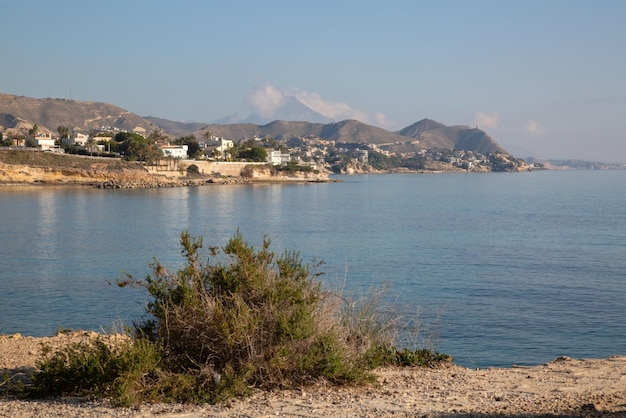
point(207, 182)
point(562, 387)
point(51, 170)
point(156, 181)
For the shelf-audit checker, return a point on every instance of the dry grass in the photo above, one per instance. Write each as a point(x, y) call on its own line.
point(63, 161)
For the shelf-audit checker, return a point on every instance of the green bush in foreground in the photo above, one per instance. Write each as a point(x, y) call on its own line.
point(243, 319)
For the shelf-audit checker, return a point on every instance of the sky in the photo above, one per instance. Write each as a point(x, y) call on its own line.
point(544, 78)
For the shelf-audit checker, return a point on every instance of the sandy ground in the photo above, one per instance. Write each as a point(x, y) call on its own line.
point(563, 387)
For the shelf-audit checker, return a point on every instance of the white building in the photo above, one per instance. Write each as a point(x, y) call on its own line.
point(362, 155)
point(276, 157)
point(44, 140)
point(76, 139)
point(218, 144)
point(175, 151)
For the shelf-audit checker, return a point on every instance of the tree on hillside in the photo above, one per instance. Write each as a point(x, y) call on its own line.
point(256, 153)
point(157, 137)
point(194, 146)
point(63, 131)
point(91, 144)
point(250, 150)
point(5, 142)
point(33, 131)
point(135, 147)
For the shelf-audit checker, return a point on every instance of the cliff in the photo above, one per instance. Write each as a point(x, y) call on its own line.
point(33, 167)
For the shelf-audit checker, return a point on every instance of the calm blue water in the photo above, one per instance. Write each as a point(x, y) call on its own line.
point(515, 268)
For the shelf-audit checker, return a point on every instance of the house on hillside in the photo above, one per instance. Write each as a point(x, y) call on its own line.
point(76, 139)
point(276, 157)
point(217, 147)
point(362, 155)
point(175, 151)
point(44, 140)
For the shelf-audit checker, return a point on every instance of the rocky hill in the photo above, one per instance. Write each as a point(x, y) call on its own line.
point(21, 113)
point(438, 135)
point(423, 134)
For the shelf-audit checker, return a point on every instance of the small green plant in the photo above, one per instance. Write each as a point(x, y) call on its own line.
point(62, 330)
point(243, 318)
point(123, 369)
point(407, 357)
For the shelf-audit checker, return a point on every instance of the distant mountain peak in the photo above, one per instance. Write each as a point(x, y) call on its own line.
point(421, 126)
point(291, 109)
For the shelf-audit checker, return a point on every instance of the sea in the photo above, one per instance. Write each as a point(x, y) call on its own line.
point(494, 269)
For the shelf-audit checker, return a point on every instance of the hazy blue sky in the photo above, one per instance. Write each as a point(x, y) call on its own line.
point(544, 78)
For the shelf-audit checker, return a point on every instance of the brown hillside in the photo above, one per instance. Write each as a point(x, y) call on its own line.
point(49, 114)
point(19, 113)
point(348, 131)
point(437, 135)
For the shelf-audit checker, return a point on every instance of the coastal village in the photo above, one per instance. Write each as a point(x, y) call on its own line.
point(211, 155)
point(276, 151)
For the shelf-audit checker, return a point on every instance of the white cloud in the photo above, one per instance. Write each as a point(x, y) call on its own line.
point(334, 110)
point(533, 127)
point(486, 120)
point(382, 121)
point(341, 110)
point(265, 99)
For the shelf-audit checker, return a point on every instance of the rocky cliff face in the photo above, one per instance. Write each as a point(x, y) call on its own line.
point(99, 176)
point(264, 173)
point(31, 167)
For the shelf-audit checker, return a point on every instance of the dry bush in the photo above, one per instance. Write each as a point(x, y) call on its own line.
point(242, 319)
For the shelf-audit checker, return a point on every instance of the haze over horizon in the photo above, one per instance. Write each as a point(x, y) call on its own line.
point(543, 78)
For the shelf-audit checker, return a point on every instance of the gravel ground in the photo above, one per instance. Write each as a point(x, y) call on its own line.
point(563, 387)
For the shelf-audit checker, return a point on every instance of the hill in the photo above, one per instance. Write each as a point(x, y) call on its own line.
point(18, 112)
point(435, 134)
point(423, 134)
point(21, 113)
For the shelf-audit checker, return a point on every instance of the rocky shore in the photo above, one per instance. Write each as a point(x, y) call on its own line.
point(114, 174)
point(564, 387)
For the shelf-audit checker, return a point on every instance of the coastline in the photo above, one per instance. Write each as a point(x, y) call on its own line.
point(562, 387)
point(12, 175)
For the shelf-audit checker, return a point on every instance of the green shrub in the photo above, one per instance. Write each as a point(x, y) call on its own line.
point(243, 318)
point(99, 367)
point(246, 313)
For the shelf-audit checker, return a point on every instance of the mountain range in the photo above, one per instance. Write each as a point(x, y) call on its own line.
point(18, 113)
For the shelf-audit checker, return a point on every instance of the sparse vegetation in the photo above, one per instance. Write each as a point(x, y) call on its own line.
point(293, 167)
point(246, 318)
point(61, 161)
